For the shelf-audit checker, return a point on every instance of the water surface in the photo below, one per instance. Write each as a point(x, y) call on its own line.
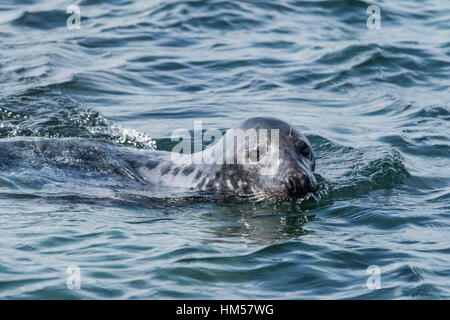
point(374, 104)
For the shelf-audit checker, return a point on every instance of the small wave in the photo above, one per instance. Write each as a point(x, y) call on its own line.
point(6, 114)
point(403, 65)
point(124, 136)
point(111, 42)
point(43, 20)
point(434, 111)
point(344, 55)
point(351, 171)
point(65, 120)
point(423, 146)
point(379, 169)
point(388, 106)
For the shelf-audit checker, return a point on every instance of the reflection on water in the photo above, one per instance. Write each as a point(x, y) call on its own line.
point(258, 225)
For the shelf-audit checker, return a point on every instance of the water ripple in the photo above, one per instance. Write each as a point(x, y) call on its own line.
point(373, 103)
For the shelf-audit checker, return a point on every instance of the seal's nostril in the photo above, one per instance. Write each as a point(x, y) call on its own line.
point(299, 183)
point(310, 183)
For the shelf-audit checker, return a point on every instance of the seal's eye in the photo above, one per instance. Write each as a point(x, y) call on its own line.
point(304, 150)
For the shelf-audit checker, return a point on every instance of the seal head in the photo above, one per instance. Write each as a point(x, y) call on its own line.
point(276, 161)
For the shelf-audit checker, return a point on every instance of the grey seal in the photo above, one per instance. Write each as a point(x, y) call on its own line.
point(260, 167)
point(291, 177)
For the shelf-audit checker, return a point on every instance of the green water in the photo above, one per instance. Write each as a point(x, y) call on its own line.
point(373, 103)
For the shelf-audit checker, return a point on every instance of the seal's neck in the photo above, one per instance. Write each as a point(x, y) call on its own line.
point(190, 171)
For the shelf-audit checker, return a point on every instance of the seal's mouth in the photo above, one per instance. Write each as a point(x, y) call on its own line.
point(292, 192)
point(300, 184)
